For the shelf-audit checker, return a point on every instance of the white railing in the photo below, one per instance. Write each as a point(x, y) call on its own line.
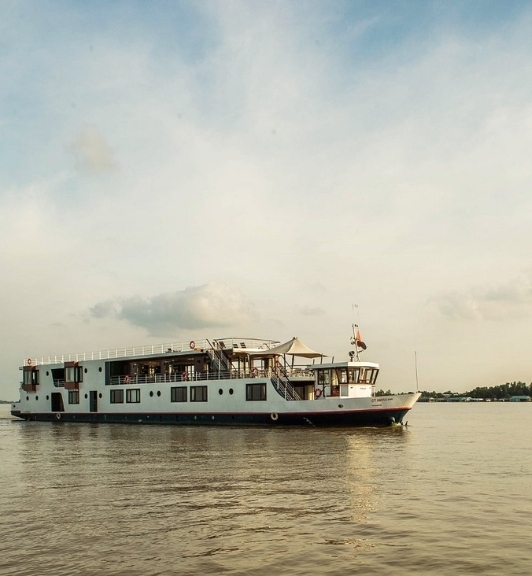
point(199, 376)
point(150, 350)
point(120, 353)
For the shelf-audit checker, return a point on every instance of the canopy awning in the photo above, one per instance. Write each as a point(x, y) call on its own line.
point(294, 347)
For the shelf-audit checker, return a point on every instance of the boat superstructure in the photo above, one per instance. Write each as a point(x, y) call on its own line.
point(223, 381)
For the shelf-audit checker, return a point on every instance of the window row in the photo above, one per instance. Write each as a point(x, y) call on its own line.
point(254, 392)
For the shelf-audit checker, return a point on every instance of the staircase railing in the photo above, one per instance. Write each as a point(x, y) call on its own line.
point(219, 361)
point(282, 384)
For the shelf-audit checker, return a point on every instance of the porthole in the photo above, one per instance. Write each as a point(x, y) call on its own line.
point(158, 392)
point(151, 393)
point(231, 391)
point(220, 391)
point(86, 370)
point(36, 397)
point(47, 373)
point(86, 396)
point(100, 369)
point(27, 398)
point(100, 395)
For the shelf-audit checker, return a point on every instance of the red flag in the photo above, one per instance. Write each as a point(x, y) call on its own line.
point(358, 338)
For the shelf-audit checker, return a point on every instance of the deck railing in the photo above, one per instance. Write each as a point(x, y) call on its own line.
point(199, 376)
point(155, 349)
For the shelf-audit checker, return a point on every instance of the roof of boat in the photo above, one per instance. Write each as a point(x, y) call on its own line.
point(348, 364)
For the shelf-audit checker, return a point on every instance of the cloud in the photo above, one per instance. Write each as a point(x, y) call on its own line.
point(93, 154)
point(505, 301)
point(210, 305)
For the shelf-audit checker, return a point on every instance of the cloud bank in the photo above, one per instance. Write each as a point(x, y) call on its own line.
point(212, 305)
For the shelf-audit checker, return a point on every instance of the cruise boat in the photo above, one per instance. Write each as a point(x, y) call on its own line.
point(228, 381)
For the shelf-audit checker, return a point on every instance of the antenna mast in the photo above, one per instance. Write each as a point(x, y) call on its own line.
point(354, 340)
point(415, 363)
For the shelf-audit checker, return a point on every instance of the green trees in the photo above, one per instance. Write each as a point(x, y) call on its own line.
point(501, 392)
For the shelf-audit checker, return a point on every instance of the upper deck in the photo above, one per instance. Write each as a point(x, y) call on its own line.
point(238, 345)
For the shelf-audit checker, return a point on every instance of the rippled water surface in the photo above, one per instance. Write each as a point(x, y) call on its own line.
point(449, 494)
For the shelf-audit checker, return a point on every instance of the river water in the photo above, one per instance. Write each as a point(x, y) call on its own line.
point(449, 494)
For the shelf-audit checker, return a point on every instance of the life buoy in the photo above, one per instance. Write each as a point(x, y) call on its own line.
point(317, 393)
point(57, 416)
point(127, 380)
point(29, 361)
point(254, 372)
point(192, 345)
point(274, 416)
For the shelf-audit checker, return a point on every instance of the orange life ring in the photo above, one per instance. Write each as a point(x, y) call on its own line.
point(29, 361)
point(317, 393)
point(192, 345)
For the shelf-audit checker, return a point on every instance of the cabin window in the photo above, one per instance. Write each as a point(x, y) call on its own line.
point(117, 396)
point(198, 393)
point(73, 396)
point(178, 394)
point(256, 391)
point(31, 377)
point(73, 374)
point(133, 396)
point(58, 376)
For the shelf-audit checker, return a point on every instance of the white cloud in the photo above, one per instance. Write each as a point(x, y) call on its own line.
point(197, 307)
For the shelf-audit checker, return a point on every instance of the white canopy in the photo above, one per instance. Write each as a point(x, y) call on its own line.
point(294, 347)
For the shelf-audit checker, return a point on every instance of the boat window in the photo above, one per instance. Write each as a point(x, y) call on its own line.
point(368, 375)
point(354, 375)
point(256, 391)
point(73, 374)
point(178, 394)
point(58, 376)
point(117, 396)
point(198, 393)
point(324, 377)
point(73, 396)
point(31, 377)
point(133, 396)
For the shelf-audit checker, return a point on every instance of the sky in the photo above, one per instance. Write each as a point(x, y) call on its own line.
point(176, 170)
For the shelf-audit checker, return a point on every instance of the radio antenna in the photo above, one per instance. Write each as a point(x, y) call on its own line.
point(415, 364)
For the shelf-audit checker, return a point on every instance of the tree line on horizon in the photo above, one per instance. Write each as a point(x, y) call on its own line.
point(500, 392)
